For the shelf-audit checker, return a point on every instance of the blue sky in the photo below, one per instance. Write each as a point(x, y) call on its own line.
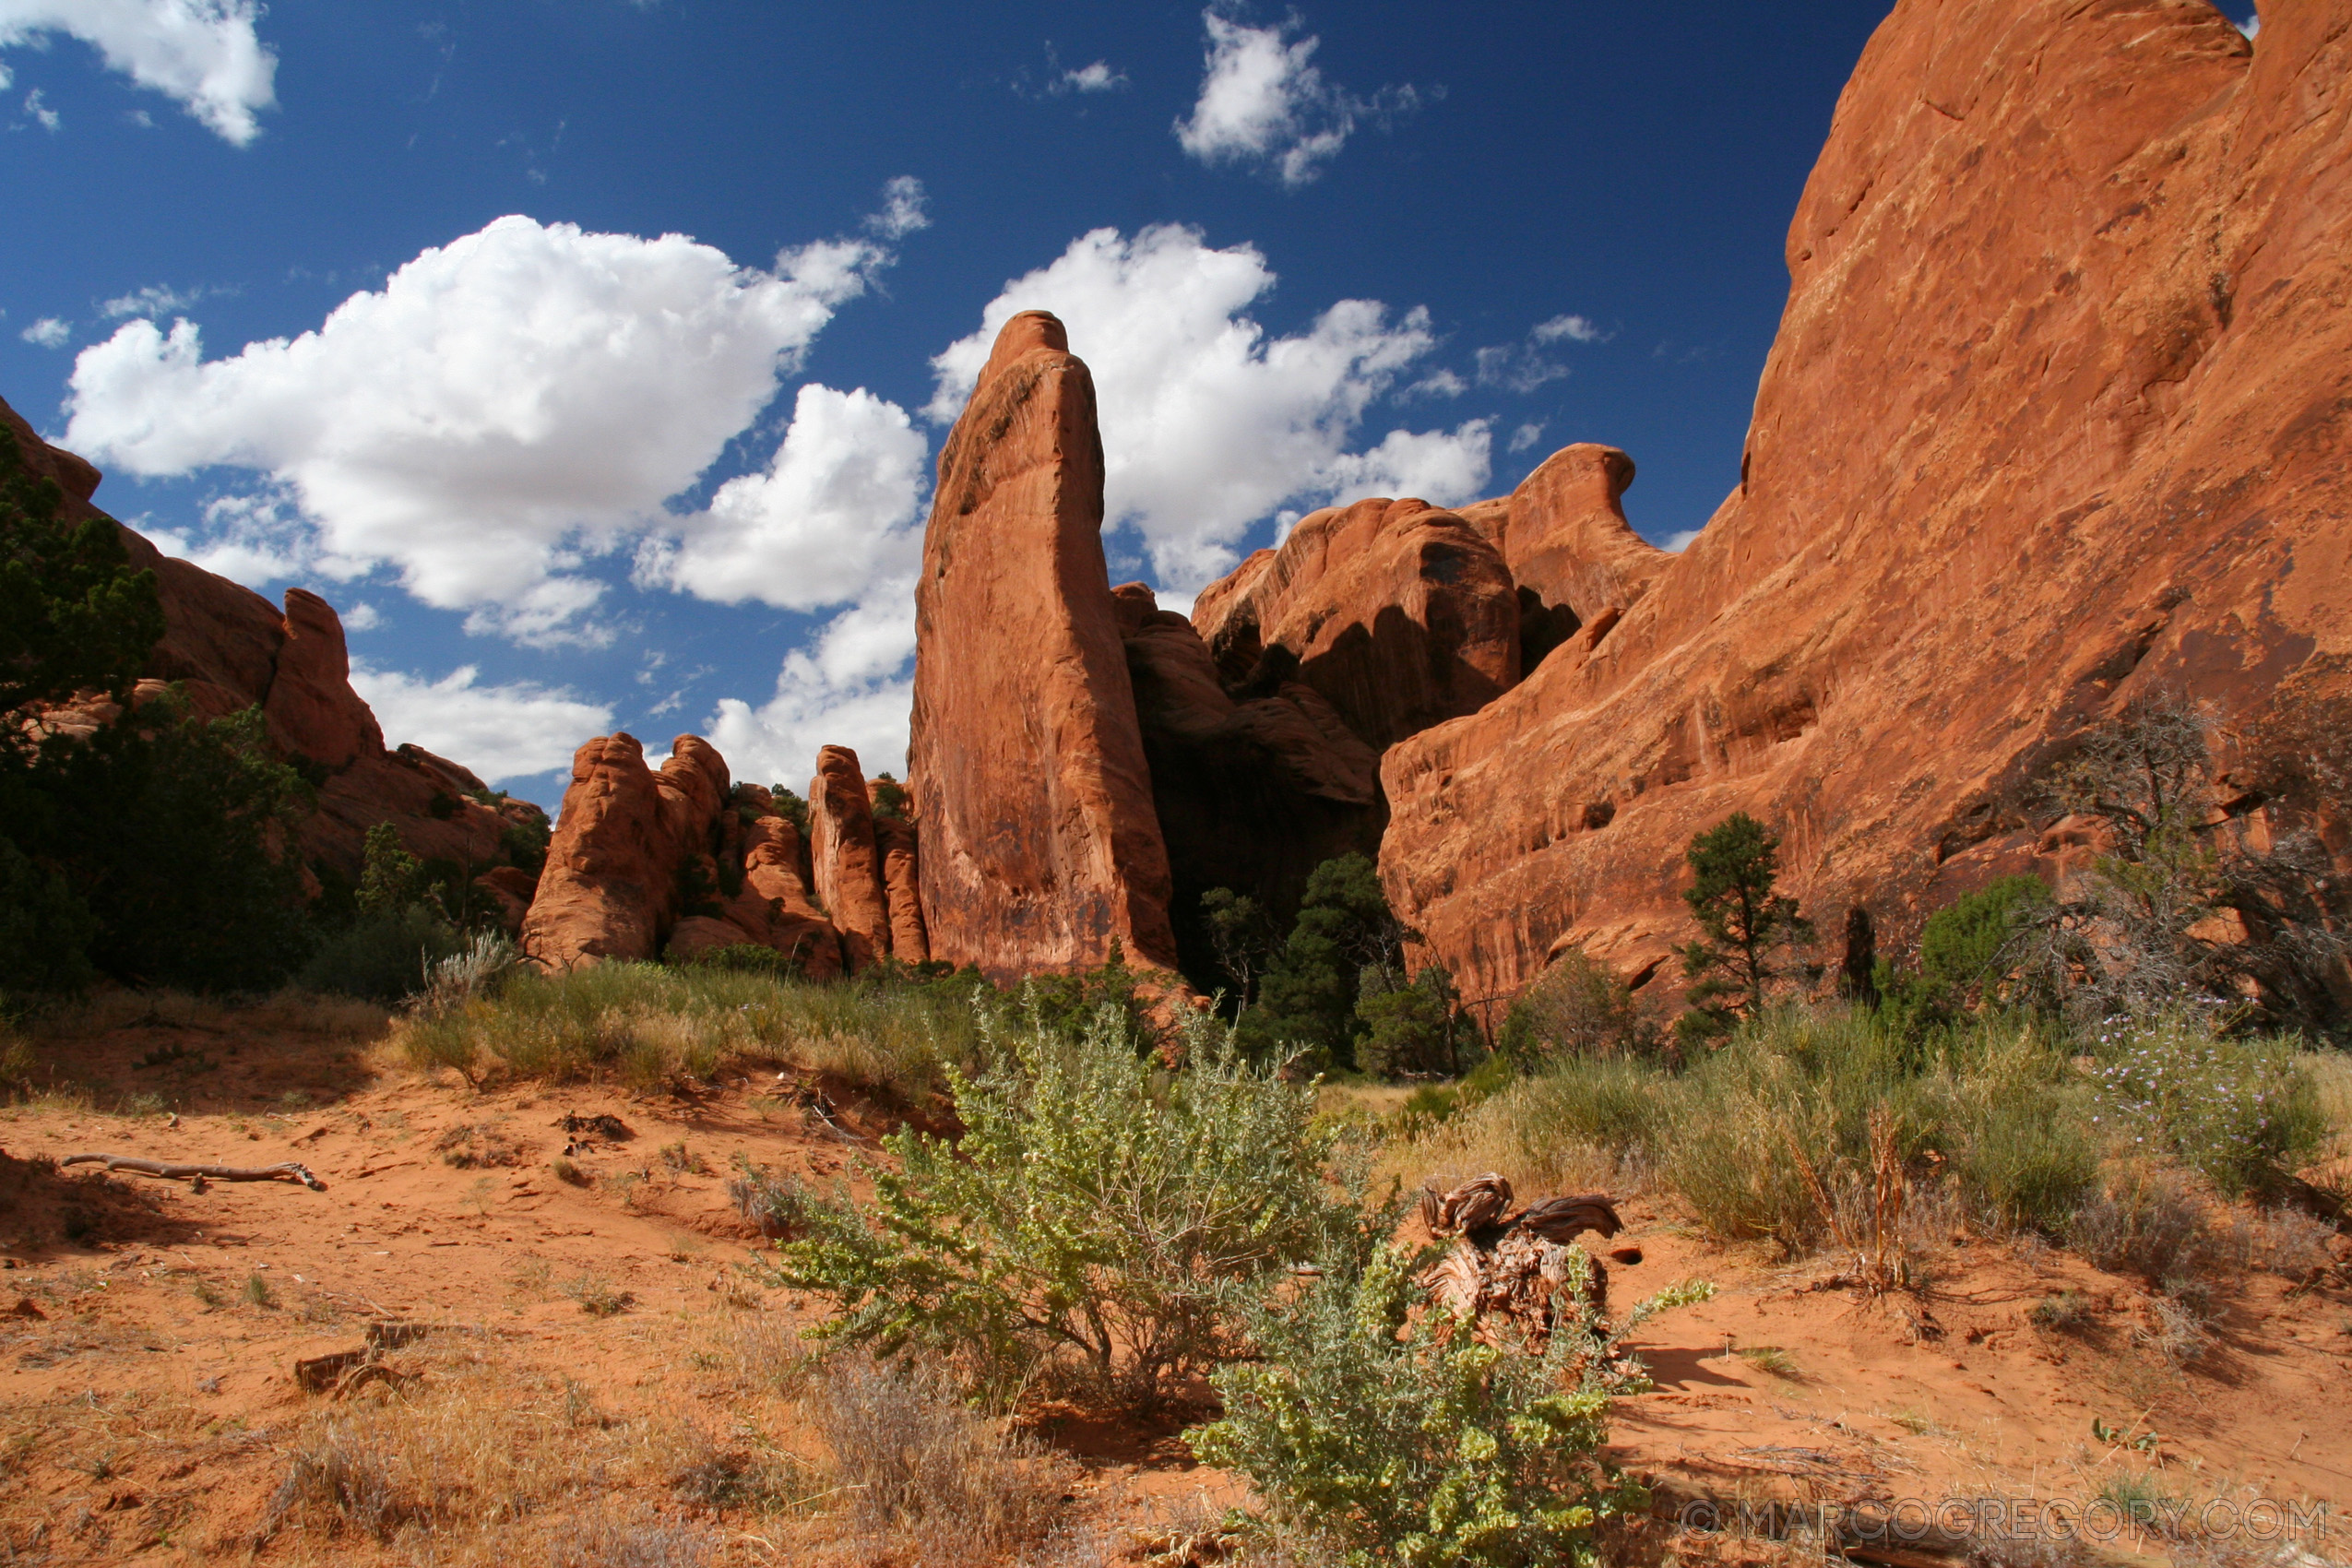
point(592, 355)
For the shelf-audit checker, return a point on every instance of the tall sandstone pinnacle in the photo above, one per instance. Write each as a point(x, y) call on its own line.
point(844, 859)
point(2059, 413)
point(1039, 844)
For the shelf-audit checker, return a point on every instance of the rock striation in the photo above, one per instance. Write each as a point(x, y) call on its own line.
point(1042, 847)
point(2060, 412)
point(1399, 614)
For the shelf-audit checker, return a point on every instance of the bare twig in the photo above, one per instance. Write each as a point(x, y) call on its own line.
point(200, 1174)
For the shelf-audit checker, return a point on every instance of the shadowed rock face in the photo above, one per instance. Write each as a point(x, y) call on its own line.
point(1251, 795)
point(895, 841)
point(842, 853)
point(2060, 412)
point(1398, 613)
point(1040, 844)
point(229, 650)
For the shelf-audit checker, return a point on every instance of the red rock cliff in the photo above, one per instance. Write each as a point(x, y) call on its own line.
point(1040, 843)
point(2060, 411)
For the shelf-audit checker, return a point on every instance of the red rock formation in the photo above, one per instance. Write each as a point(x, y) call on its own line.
point(609, 887)
point(774, 907)
point(228, 651)
point(1041, 846)
point(847, 863)
point(1400, 614)
point(896, 840)
point(2059, 413)
point(510, 890)
point(1252, 795)
point(1574, 557)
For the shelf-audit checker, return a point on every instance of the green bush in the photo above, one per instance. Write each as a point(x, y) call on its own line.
point(385, 955)
point(1966, 951)
point(1399, 1437)
point(174, 834)
point(1577, 1008)
point(45, 932)
point(2245, 1113)
point(1413, 1028)
point(1091, 1225)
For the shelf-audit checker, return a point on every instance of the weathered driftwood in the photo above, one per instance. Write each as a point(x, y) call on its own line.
point(200, 1174)
point(1475, 1205)
point(1511, 1267)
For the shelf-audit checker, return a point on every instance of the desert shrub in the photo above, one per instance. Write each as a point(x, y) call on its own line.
point(2026, 1162)
point(917, 1464)
point(2243, 1112)
point(1402, 1438)
point(1793, 1088)
point(338, 1482)
point(773, 1202)
point(2146, 1223)
point(1615, 1105)
point(1090, 1225)
point(1577, 1008)
point(385, 954)
point(601, 1542)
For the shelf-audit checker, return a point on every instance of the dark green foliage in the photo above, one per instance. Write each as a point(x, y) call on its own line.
point(1966, 953)
point(175, 836)
point(1308, 998)
point(73, 615)
point(392, 879)
point(1414, 1028)
point(791, 808)
point(1243, 935)
point(1066, 1005)
point(1742, 920)
point(444, 805)
point(45, 932)
point(890, 798)
point(384, 954)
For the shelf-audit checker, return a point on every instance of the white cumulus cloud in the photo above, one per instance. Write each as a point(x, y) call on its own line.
point(833, 511)
point(1264, 100)
point(204, 54)
point(511, 730)
point(851, 688)
point(1209, 424)
point(47, 333)
point(504, 409)
point(1526, 435)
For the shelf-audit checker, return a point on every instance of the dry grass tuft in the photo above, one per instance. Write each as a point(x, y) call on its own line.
point(912, 1466)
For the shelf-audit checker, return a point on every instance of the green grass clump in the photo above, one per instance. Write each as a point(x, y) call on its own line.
point(648, 1026)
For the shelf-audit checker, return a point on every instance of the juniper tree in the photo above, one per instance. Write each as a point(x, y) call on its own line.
point(1742, 920)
